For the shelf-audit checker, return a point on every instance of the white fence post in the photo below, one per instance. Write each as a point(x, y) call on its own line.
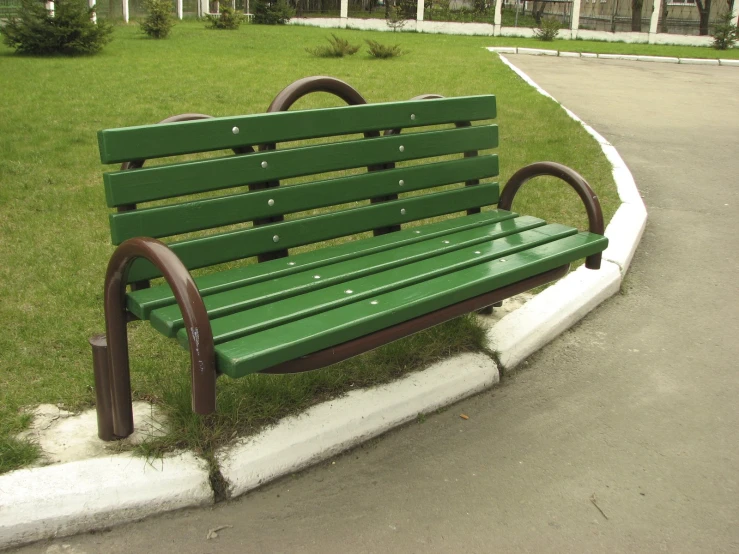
point(419, 9)
point(656, 10)
point(91, 3)
point(124, 5)
point(575, 23)
point(179, 9)
point(344, 9)
point(50, 7)
point(497, 17)
point(735, 12)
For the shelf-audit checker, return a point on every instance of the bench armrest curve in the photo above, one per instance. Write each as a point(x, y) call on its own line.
point(197, 324)
point(572, 178)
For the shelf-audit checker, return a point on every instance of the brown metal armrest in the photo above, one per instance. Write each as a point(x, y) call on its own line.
point(572, 178)
point(197, 324)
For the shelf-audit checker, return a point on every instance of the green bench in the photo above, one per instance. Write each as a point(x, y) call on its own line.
point(408, 266)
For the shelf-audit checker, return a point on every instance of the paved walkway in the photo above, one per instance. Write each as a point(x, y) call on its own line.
point(621, 436)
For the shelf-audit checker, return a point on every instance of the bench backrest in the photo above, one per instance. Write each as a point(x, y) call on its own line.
point(261, 169)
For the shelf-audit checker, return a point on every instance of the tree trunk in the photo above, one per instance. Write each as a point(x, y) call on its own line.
point(662, 27)
point(537, 10)
point(704, 11)
point(636, 11)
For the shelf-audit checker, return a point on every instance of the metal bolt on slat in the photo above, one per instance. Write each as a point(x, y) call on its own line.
point(402, 211)
point(235, 130)
point(402, 148)
point(445, 242)
point(264, 165)
point(348, 291)
point(271, 202)
point(374, 302)
point(478, 252)
point(276, 238)
point(290, 263)
point(401, 182)
point(413, 117)
point(316, 276)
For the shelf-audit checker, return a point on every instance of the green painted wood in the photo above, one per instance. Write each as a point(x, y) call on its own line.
point(280, 312)
point(168, 181)
point(155, 141)
point(298, 338)
point(142, 302)
point(168, 320)
point(225, 247)
point(166, 221)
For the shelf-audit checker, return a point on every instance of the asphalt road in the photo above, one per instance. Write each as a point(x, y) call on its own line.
point(621, 436)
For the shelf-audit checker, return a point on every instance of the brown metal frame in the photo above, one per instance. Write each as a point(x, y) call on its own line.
point(572, 178)
point(110, 351)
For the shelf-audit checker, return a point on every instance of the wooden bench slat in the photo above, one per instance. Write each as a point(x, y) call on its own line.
point(171, 139)
point(281, 312)
point(143, 301)
point(168, 181)
point(166, 221)
point(298, 338)
point(235, 245)
point(168, 320)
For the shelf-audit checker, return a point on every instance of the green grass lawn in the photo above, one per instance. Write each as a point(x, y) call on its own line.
point(54, 238)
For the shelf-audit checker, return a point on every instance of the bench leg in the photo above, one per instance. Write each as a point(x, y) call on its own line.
point(488, 310)
point(103, 398)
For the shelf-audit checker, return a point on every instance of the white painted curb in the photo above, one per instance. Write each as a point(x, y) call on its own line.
point(698, 61)
point(537, 52)
point(337, 425)
point(658, 59)
point(624, 233)
point(523, 332)
point(71, 498)
point(627, 57)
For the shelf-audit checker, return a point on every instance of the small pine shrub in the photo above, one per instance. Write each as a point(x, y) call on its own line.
point(337, 48)
point(395, 18)
point(383, 51)
point(548, 29)
point(229, 19)
point(272, 13)
point(724, 33)
point(69, 32)
point(158, 21)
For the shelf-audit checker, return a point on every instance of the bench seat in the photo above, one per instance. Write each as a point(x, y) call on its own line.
point(322, 299)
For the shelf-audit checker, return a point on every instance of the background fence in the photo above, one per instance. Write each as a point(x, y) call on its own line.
point(609, 19)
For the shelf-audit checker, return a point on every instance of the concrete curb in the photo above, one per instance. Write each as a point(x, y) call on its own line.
point(92, 494)
point(337, 425)
point(523, 332)
point(627, 57)
point(71, 498)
